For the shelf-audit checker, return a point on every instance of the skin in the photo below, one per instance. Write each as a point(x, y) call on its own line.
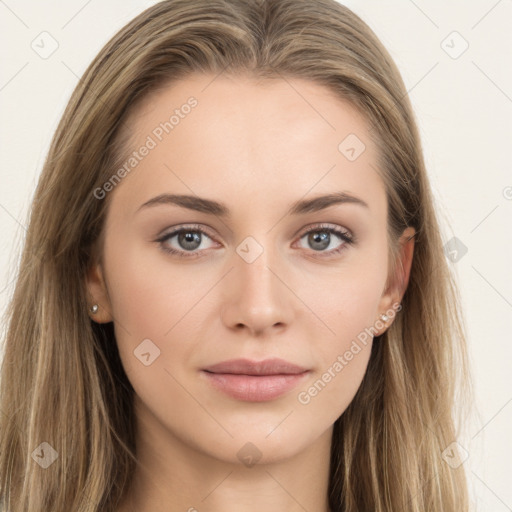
point(257, 147)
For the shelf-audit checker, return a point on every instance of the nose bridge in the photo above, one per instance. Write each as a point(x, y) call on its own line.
point(258, 298)
point(254, 260)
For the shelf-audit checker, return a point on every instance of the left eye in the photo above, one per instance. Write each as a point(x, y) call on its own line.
point(189, 240)
point(320, 238)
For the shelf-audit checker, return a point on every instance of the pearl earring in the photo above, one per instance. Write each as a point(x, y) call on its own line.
point(94, 308)
point(384, 318)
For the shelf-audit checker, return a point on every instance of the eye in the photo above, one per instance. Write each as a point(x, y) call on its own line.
point(188, 240)
point(321, 237)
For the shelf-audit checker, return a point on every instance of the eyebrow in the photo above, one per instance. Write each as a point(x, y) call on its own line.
point(211, 207)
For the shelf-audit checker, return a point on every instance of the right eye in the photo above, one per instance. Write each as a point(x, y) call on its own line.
point(188, 241)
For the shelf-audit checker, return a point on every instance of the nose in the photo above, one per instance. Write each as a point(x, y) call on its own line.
point(257, 296)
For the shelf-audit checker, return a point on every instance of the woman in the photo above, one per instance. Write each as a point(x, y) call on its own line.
point(233, 293)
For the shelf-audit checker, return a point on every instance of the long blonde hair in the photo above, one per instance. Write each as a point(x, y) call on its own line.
point(62, 381)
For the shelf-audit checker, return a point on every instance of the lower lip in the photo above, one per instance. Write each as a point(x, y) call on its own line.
point(252, 388)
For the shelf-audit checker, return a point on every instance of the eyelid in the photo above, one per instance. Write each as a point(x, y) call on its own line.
point(186, 227)
point(329, 227)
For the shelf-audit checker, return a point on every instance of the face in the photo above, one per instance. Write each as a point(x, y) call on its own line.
point(251, 265)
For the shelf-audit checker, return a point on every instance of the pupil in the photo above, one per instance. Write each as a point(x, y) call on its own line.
point(189, 238)
point(322, 238)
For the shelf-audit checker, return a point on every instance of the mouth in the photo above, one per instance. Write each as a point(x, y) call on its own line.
point(253, 381)
point(266, 367)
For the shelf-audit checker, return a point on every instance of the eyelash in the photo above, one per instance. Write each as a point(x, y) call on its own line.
point(322, 228)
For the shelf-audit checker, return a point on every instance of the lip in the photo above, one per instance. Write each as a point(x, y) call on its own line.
point(273, 366)
point(254, 381)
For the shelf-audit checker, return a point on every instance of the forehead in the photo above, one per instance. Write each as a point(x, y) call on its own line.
point(238, 136)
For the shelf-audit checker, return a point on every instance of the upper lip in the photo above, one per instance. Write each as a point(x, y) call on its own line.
point(274, 366)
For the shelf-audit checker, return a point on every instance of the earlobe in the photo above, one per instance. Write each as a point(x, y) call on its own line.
point(99, 307)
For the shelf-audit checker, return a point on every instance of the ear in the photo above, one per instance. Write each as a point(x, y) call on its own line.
point(98, 294)
point(398, 281)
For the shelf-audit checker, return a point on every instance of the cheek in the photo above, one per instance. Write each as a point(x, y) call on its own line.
point(347, 304)
point(151, 303)
point(346, 298)
point(333, 388)
point(342, 355)
point(148, 294)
